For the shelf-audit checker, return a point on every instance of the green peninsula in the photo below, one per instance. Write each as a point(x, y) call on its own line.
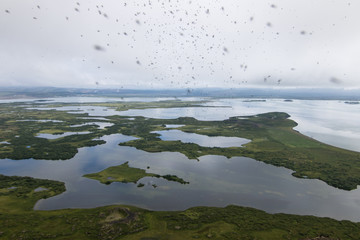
point(124, 173)
point(273, 141)
point(19, 221)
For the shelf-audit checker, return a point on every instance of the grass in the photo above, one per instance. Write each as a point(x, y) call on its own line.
point(121, 173)
point(124, 173)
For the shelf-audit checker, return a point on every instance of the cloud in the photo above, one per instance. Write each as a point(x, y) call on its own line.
point(179, 44)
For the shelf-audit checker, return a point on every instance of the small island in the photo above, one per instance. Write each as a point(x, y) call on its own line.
point(125, 174)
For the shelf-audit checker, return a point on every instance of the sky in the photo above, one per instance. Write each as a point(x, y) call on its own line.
point(152, 44)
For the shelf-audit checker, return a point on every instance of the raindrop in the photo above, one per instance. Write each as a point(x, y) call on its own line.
point(335, 80)
point(99, 48)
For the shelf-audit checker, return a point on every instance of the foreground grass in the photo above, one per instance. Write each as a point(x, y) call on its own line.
point(19, 221)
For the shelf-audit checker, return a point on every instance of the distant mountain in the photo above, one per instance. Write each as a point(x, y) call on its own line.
point(286, 93)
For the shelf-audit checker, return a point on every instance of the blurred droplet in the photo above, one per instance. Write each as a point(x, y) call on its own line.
point(99, 48)
point(335, 80)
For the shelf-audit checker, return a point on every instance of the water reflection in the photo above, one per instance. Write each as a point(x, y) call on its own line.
point(202, 140)
point(56, 136)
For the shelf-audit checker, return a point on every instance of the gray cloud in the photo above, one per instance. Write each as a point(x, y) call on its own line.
point(166, 44)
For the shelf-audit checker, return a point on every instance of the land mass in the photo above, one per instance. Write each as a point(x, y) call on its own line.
point(124, 173)
point(273, 139)
point(19, 221)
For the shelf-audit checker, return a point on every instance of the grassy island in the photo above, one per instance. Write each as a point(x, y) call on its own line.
point(19, 221)
point(124, 173)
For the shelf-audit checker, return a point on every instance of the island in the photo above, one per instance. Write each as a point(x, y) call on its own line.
point(125, 174)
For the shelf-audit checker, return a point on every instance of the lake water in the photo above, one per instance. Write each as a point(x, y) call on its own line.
point(201, 140)
point(56, 136)
point(214, 180)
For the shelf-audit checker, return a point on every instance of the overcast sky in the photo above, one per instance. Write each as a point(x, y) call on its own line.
point(180, 44)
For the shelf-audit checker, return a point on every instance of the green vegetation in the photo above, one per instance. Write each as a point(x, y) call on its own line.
point(19, 221)
point(20, 193)
point(20, 123)
point(19, 127)
point(124, 173)
point(123, 106)
point(174, 178)
point(273, 141)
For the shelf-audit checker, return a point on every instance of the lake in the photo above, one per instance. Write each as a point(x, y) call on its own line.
point(214, 180)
